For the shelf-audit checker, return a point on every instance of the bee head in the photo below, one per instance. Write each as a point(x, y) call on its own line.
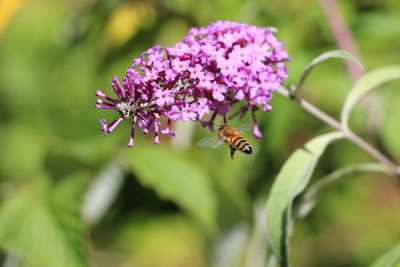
point(221, 126)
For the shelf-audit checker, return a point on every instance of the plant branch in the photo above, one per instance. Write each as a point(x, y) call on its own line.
point(345, 41)
point(348, 134)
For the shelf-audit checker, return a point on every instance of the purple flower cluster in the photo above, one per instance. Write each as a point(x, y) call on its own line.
point(213, 68)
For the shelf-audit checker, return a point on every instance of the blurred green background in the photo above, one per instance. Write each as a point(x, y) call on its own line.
point(70, 197)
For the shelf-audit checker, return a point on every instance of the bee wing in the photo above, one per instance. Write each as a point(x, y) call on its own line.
point(210, 142)
point(248, 126)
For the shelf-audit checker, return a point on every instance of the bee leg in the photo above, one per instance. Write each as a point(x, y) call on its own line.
point(232, 152)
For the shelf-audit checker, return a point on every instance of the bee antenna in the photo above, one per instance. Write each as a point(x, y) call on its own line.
point(217, 125)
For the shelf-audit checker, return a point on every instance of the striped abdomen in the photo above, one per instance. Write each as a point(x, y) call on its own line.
point(237, 142)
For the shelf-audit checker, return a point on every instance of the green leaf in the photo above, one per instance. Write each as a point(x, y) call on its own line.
point(389, 259)
point(366, 83)
point(178, 179)
point(390, 127)
point(42, 223)
point(310, 197)
point(20, 156)
point(291, 181)
point(324, 56)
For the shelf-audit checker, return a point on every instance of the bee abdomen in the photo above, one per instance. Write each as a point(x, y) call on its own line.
point(247, 149)
point(241, 144)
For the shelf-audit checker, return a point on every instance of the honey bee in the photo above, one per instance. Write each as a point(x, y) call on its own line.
point(229, 135)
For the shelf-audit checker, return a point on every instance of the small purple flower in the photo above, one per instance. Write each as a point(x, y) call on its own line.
point(222, 108)
point(164, 97)
point(150, 75)
point(203, 108)
point(211, 70)
point(180, 66)
point(228, 39)
point(170, 75)
point(239, 94)
point(167, 129)
point(239, 54)
point(218, 92)
point(256, 131)
point(196, 71)
point(189, 112)
point(205, 80)
point(173, 114)
point(226, 66)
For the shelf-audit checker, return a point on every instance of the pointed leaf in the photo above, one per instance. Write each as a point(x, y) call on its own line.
point(310, 197)
point(366, 83)
point(291, 181)
point(389, 259)
point(178, 179)
point(42, 223)
point(327, 55)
